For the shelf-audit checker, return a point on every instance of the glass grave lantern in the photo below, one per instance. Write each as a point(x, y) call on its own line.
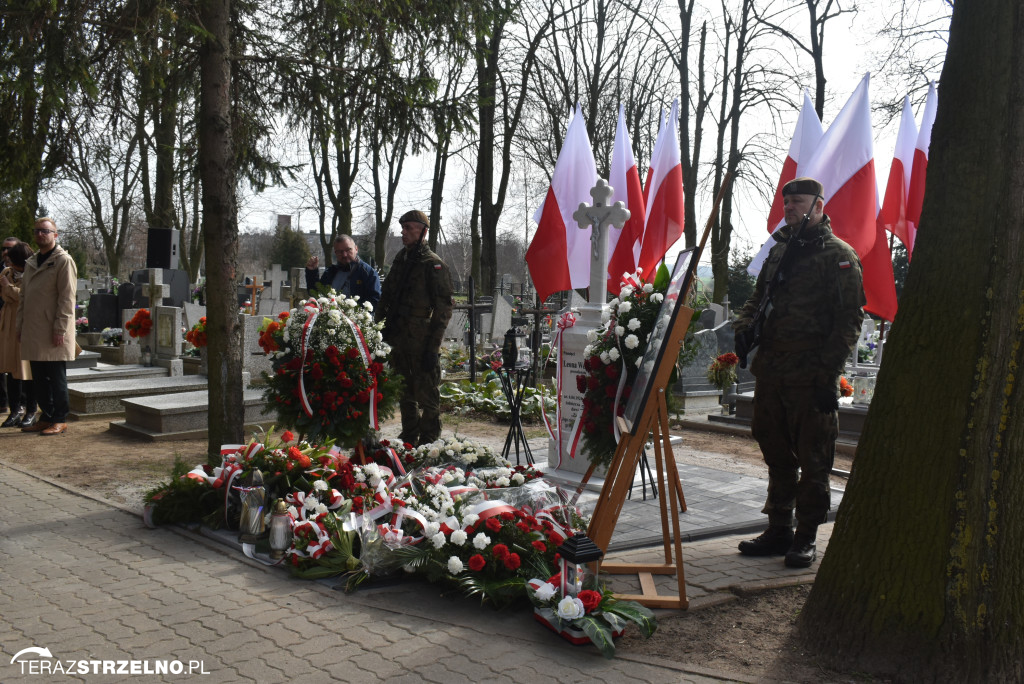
point(575, 553)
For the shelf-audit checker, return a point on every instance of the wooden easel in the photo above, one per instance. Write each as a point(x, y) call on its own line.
point(619, 479)
point(617, 483)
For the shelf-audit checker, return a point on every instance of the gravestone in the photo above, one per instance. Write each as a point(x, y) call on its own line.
point(192, 313)
point(177, 292)
point(167, 334)
point(132, 347)
point(103, 312)
point(694, 375)
point(457, 326)
point(274, 279)
point(565, 452)
point(270, 308)
point(501, 317)
point(254, 359)
point(712, 317)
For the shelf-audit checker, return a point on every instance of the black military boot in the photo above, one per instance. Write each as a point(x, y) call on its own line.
point(774, 541)
point(803, 552)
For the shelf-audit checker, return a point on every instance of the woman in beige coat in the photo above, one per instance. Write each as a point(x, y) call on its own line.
point(46, 324)
point(22, 398)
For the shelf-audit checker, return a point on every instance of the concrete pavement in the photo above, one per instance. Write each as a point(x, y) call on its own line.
point(90, 583)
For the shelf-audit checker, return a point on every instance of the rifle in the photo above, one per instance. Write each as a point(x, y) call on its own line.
point(748, 340)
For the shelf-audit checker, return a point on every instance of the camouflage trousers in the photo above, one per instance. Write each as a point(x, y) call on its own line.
point(798, 442)
point(421, 399)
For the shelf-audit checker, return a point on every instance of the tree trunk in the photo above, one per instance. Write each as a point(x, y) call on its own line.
point(923, 576)
point(220, 224)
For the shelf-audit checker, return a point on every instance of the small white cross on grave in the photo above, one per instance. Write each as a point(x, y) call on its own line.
point(600, 217)
point(276, 276)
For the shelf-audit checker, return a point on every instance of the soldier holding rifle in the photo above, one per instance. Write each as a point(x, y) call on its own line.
point(804, 319)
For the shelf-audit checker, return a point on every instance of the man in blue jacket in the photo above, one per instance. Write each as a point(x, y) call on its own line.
point(351, 276)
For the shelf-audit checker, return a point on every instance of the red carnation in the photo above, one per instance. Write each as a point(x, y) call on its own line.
point(593, 383)
point(283, 315)
point(506, 515)
point(477, 563)
point(493, 524)
point(287, 436)
point(500, 551)
point(512, 561)
point(540, 546)
point(581, 383)
point(353, 353)
point(611, 371)
point(610, 391)
point(590, 599)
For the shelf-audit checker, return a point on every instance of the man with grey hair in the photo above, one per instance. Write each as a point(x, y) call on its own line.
point(351, 276)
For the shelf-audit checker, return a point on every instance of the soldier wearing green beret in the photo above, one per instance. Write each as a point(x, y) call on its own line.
point(416, 305)
point(813, 325)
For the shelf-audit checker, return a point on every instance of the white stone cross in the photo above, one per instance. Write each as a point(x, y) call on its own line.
point(600, 216)
point(276, 276)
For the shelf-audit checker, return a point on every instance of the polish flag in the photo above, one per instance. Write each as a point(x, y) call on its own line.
point(915, 196)
point(893, 216)
point(805, 139)
point(624, 245)
point(559, 254)
point(844, 163)
point(665, 219)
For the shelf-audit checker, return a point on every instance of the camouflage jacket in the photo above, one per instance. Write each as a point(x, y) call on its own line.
point(816, 313)
point(416, 300)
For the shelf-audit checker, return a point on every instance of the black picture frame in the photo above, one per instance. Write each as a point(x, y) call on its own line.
point(678, 288)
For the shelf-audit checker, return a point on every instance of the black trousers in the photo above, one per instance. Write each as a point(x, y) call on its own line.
point(50, 380)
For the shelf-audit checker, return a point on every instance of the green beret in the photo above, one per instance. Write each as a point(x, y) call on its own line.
point(415, 217)
point(803, 186)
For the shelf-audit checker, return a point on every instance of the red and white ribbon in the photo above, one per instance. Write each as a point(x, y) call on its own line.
point(565, 321)
point(364, 355)
point(312, 308)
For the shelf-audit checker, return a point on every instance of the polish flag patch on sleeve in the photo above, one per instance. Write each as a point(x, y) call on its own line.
point(437, 267)
point(844, 264)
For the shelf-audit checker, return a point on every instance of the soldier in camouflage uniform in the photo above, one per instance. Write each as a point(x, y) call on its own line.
point(813, 325)
point(416, 303)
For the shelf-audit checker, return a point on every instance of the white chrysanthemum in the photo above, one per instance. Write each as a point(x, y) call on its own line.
point(614, 303)
point(657, 298)
point(587, 351)
point(458, 537)
point(368, 306)
point(471, 519)
point(359, 476)
point(286, 336)
point(455, 565)
point(310, 503)
point(518, 478)
point(606, 357)
point(431, 529)
point(592, 335)
point(570, 608)
point(481, 540)
point(606, 315)
point(648, 288)
point(613, 354)
point(626, 291)
point(321, 486)
point(634, 324)
point(320, 508)
point(545, 591)
point(624, 307)
point(292, 511)
point(502, 482)
point(470, 459)
point(438, 540)
point(632, 342)
point(619, 331)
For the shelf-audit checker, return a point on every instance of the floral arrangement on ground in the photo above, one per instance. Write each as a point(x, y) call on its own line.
point(487, 398)
point(329, 379)
point(452, 512)
point(612, 360)
point(196, 335)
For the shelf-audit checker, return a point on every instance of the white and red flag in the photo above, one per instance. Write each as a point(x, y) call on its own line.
point(845, 164)
point(559, 254)
point(624, 245)
point(805, 140)
point(915, 196)
point(893, 216)
point(664, 195)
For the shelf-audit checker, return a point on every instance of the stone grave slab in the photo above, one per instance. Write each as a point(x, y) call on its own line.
point(104, 397)
point(254, 359)
point(105, 371)
point(181, 416)
point(87, 359)
point(191, 313)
